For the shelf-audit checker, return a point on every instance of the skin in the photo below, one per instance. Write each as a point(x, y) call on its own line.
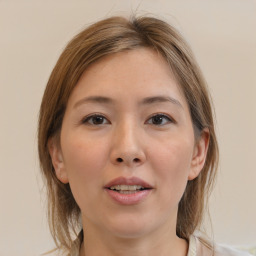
point(163, 153)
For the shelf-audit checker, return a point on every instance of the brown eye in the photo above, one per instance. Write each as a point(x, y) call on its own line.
point(95, 120)
point(160, 119)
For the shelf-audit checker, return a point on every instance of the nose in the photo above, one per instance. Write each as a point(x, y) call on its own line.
point(127, 146)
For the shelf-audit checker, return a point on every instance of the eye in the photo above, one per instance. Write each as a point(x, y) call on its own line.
point(95, 120)
point(160, 119)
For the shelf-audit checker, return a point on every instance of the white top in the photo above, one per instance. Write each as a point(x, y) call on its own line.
point(196, 248)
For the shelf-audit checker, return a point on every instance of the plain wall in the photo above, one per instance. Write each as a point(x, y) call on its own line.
point(33, 34)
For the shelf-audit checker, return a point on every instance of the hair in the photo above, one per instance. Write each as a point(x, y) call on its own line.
point(106, 37)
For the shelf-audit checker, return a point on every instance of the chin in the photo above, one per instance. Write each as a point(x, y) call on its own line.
point(129, 226)
point(129, 232)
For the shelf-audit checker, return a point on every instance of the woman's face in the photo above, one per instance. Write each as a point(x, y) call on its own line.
point(127, 123)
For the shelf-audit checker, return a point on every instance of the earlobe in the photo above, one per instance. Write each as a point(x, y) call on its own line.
point(57, 161)
point(199, 155)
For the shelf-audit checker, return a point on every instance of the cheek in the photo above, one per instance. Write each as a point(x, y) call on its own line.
point(82, 155)
point(84, 163)
point(172, 162)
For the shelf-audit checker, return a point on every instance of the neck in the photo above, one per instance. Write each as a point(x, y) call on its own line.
point(161, 242)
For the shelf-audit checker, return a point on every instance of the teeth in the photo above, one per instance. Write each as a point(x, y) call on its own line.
point(126, 187)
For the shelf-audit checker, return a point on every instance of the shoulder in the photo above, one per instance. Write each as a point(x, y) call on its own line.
point(204, 248)
point(229, 251)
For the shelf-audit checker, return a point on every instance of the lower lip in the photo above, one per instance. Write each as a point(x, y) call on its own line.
point(129, 199)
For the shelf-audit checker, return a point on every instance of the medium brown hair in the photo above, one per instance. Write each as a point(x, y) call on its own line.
point(103, 38)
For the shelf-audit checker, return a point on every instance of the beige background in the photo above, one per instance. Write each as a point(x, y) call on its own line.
point(32, 35)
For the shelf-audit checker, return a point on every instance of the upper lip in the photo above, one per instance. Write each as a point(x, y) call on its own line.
point(128, 181)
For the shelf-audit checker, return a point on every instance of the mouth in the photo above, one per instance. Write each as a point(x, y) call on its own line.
point(128, 191)
point(128, 184)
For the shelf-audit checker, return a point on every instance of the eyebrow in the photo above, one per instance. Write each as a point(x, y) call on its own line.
point(155, 99)
point(145, 101)
point(94, 99)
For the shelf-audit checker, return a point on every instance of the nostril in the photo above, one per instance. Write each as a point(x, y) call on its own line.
point(136, 160)
point(119, 160)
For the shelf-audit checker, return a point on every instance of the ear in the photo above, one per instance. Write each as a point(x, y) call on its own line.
point(57, 160)
point(199, 154)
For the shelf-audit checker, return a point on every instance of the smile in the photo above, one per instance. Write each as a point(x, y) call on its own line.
point(128, 191)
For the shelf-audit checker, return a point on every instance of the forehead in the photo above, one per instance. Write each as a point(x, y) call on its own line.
point(138, 73)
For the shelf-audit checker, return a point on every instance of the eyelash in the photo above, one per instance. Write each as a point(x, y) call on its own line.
point(87, 119)
point(169, 119)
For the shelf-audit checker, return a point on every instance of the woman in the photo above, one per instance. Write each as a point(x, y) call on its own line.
point(127, 143)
